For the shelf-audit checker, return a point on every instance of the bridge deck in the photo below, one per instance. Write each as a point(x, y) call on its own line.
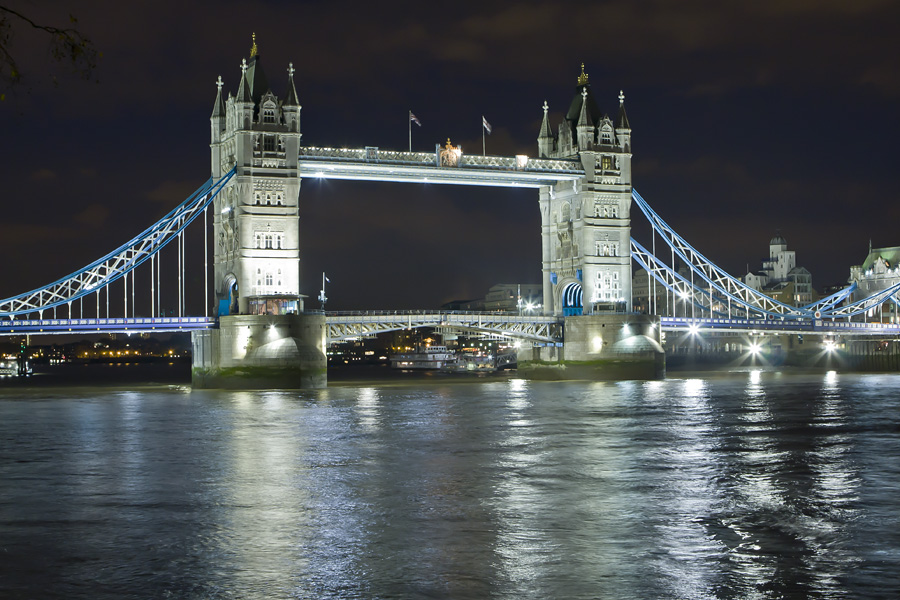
point(537, 328)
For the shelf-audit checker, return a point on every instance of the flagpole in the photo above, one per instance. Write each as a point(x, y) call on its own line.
point(483, 145)
point(409, 122)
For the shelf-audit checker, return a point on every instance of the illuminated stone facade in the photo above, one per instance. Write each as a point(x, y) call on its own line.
point(257, 246)
point(586, 224)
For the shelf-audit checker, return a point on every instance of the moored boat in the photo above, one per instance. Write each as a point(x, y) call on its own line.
point(424, 357)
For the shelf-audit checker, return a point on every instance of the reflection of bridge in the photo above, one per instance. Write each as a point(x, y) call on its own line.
point(583, 174)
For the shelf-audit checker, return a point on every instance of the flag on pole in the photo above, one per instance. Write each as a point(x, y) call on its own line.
point(486, 124)
point(413, 118)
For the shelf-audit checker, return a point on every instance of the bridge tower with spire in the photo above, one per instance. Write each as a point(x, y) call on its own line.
point(585, 224)
point(263, 332)
point(257, 257)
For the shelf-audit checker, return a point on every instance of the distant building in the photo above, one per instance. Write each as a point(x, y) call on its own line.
point(504, 297)
point(644, 299)
point(879, 271)
point(780, 278)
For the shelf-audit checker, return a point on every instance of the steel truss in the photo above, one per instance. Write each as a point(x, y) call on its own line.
point(120, 261)
point(725, 290)
point(541, 329)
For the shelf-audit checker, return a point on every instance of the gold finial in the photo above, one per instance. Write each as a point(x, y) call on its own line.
point(254, 50)
point(448, 143)
point(583, 78)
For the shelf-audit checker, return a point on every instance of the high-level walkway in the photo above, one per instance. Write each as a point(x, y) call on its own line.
point(373, 164)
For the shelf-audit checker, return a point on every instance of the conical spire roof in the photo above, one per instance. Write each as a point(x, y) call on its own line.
point(622, 119)
point(584, 118)
point(291, 99)
point(545, 124)
point(219, 107)
point(243, 94)
point(256, 79)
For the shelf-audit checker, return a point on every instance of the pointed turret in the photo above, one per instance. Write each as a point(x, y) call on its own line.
point(623, 127)
point(291, 106)
point(243, 94)
point(585, 127)
point(217, 118)
point(545, 137)
point(219, 106)
point(622, 119)
point(217, 127)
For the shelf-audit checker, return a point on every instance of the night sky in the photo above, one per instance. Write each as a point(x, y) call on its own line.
point(749, 119)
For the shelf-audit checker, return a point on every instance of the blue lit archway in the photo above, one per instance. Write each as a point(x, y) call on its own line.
point(571, 300)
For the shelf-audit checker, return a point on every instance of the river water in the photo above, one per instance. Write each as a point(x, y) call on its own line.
point(740, 485)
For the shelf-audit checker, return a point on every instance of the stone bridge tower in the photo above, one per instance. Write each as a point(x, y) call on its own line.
point(264, 338)
point(586, 225)
point(257, 256)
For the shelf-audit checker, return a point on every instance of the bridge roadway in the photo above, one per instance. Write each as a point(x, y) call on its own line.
point(536, 328)
point(374, 164)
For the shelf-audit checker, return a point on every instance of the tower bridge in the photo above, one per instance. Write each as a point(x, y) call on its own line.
point(256, 331)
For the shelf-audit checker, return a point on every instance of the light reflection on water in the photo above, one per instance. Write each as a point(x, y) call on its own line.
point(753, 485)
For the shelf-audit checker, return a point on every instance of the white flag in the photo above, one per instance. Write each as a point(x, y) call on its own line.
point(487, 125)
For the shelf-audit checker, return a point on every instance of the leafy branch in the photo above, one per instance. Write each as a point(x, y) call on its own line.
point(67, 45)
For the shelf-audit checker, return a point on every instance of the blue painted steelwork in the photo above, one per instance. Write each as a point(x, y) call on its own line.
point(120, 261)
point(725, 289)
point(113, 325)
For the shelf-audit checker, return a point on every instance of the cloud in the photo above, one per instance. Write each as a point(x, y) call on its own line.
point(94, 215)
point(43, 174)
point(171, 193)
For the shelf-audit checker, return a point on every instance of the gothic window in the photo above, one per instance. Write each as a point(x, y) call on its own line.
point(279, 277)
point(269, 143)
point(258, 240)
point(565, 212)
point(279, 239)
point(607, 163)
point(268, 239)
point(257, 197)
point(606, 137)
point(614, 211)
point(279, 198)
point(268, 115)
point(268, 278)
point(280, 144)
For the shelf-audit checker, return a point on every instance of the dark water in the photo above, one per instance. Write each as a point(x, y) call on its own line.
point(739, 486)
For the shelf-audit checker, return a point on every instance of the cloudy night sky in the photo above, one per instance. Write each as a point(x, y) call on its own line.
point(749, 119)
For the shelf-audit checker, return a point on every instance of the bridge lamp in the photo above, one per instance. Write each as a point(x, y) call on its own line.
point(830, 346)
point(693, 329)
point(755, 348)
point(320, 174)
point(597, 343)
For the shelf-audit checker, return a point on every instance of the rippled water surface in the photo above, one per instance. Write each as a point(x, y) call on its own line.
point(741, 486)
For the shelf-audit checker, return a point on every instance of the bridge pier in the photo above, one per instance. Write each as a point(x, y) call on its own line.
point(600, 347)
point(261, 352)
